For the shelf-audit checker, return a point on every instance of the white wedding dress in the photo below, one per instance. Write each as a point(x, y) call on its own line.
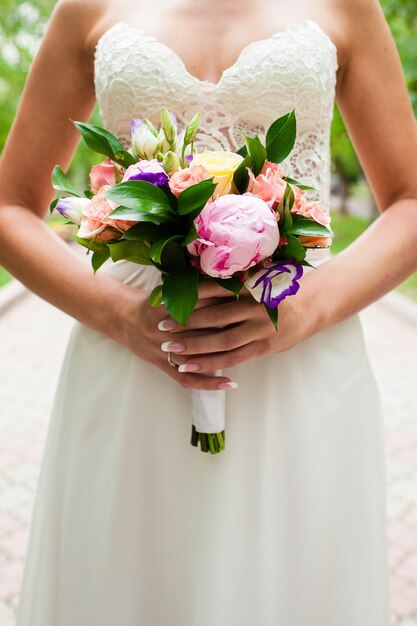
point(133, 526)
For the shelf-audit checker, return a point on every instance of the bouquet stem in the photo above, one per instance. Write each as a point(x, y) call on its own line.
point(209, 442)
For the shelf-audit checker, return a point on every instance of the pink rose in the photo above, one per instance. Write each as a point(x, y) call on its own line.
point(95, 219)
point(185, 178)
point(235, 233)
point(102, 174)
point(314, 211)
point(269, 184)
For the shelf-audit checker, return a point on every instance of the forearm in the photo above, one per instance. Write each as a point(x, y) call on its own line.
point(33, 253)
point(381, 258)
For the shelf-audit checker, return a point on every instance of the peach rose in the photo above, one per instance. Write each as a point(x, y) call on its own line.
point(315, 211)
point(315, 242)
point(185, 178)
point(95, 219)
point(102, 174)
point(268, 185)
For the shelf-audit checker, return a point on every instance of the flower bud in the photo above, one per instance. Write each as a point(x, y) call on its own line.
point(163, 143)
point(151, 127)
point(179, 145)
point(72, 208)
point(169, 126)
point(171, 163)
point(144, 142)
point(192, 129)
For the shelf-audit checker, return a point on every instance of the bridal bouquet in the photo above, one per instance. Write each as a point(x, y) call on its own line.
point(235, 218)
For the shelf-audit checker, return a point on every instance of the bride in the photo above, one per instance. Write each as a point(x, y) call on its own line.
point(132, 525)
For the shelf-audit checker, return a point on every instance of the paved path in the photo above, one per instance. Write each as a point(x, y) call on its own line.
point(32, 339)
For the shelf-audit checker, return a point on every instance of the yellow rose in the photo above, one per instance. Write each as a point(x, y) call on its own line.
point(221, 165)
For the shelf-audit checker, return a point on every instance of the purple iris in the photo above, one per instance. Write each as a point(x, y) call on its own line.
point(272, 284)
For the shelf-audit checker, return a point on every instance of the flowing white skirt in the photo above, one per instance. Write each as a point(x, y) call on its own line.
point(132, 526)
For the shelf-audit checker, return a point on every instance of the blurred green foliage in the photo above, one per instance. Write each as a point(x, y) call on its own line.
point(23, 24)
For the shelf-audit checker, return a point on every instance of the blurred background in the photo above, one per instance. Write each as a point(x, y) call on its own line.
point(33, 334)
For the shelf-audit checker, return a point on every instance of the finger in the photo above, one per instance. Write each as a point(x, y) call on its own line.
point(220, 315)
point(221, 341)
point(221, 360)
point(199, 381)
point(210, 289)
point(215, 316)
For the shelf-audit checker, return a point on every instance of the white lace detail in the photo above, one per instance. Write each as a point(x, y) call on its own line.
point(135, 76)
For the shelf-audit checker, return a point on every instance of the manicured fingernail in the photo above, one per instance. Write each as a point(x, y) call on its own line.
point(171, 346)
point(189, 367)
point(166, 325)
point(228, 386)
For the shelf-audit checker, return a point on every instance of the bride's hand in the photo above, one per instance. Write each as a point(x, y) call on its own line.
point(140, 333)
point(238, 331)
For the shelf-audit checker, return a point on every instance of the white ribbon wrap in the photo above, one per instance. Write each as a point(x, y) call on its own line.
point(209, 409)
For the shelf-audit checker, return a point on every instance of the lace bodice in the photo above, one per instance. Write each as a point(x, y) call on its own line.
point(136, 75)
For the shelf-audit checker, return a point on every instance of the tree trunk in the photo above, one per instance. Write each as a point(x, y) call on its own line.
point(344, 186)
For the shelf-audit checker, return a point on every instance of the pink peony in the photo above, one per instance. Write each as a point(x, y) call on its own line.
point(314, 211)
point(95, 219)
point(235, 233)
point(102, 174)
point(269, 184)
point(185, 178)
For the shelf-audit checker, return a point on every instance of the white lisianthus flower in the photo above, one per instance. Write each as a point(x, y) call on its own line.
point(144, 143)
point(72, 208)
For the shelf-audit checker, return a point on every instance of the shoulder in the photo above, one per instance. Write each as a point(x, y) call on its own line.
point(360, 17)
point(79, 11)
point(362, 30)
point(77, 21)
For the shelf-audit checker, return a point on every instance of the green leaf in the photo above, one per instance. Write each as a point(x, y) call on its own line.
point(156, 298)
point(91, 244)
point(172, 255)
point(309, 228)
point(99, 258)
point(53, 204)
point(307, 264)
point(61, 183)
point(190, 236)
point(146, 231)
point(242, 151)
point(273, 315)
point(292, 181)
point(284, 209)
point(88, 194)
point(280, 137)
point(241, 176)
point(134, 251)
point(258, 153)
point(158, 246)
point(141, 196)
point(124, 158)
point(293, 250)
point(101, 141)
point(132, 215)
point(231, 284)
point(180, 292)
point(195, 197)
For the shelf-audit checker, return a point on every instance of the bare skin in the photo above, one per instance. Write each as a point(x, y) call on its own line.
point(372, 96)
